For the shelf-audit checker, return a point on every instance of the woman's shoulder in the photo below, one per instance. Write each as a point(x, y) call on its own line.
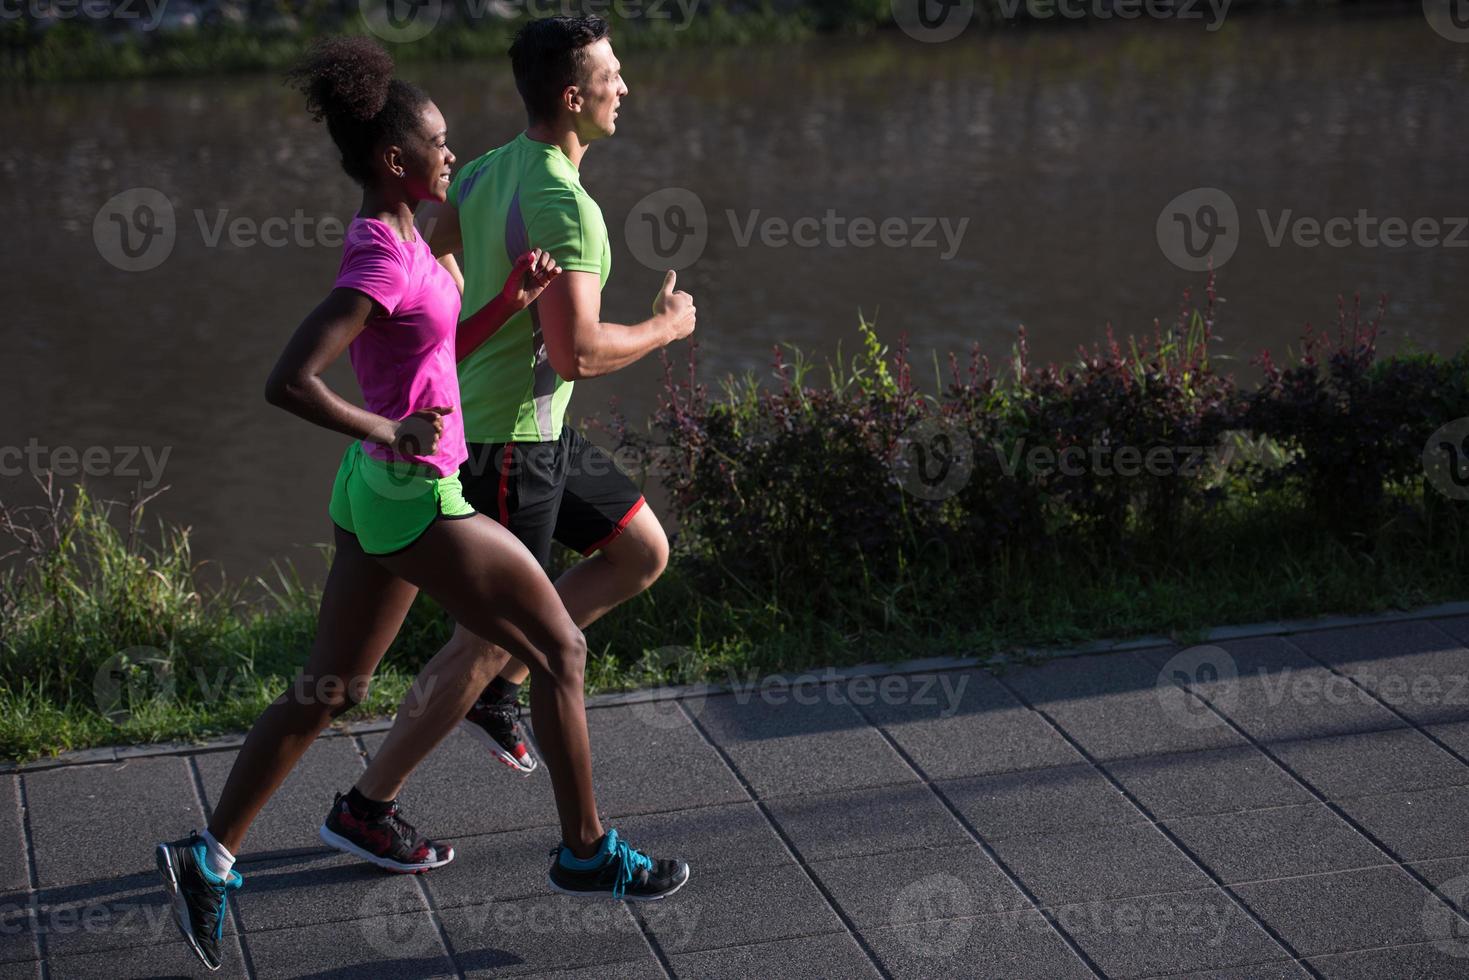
point(369, 239)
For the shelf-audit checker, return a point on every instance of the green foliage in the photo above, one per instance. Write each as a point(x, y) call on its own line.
point(800, 542)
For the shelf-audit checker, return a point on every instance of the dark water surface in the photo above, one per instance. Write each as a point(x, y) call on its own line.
point(1061, 148)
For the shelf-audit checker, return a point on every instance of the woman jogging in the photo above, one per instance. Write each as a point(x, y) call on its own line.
point(402, 523)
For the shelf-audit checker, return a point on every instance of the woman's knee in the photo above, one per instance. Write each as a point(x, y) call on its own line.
point(567, 658)
point(321, 699)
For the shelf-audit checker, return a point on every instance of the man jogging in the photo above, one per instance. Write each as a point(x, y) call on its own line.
point(526, 467)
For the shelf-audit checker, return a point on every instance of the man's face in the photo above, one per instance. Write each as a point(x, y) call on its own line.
point(600, 92)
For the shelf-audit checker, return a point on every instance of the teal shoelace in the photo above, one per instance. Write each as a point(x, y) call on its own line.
point(628, 862)
point(234, 881)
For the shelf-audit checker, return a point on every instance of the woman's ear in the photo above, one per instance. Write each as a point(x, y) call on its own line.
point(393, 157)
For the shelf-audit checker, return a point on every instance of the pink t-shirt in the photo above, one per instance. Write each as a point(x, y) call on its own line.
point(405, 360)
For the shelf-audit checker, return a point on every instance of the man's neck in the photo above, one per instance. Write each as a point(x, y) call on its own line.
point(566, 139)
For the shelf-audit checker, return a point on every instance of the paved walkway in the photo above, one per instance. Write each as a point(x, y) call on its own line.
point(1302, 809)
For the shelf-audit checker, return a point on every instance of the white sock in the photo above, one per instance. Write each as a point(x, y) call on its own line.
point(217, 858)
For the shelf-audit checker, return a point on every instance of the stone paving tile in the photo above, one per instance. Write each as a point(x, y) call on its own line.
point(399, 947)
point(1418, 668)
point(1282, 970)
point(1454, 734)
point(920, 885)
point(1455, 626)
point(1114, 707)
point(791, 749)
point(993, 947)
point(175, 959)
point(541, 935)
point(1099, 863)
point(460, 790)
point(1443, 872)
point(121, 810)
point(740, 906)
point(291, 818)
point(495, 867)
point(1431, 823)
point(307, 890)
point(1196, 930)
point(1276, 693)
point(969, 725)
point(1276, 843)
point(1039, 801)
point(709, 838)
point(647, 968)
point(31, 970)
point(645, 763)
point(1420, 962)
point(1212, 781)
point(866, 822)
point(19, 914)
point(112, 913)
point(1347, 910)
point(836, 955)
point(13, 872)
point(1372, 763)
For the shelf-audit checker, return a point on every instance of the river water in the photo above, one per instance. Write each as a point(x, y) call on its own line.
point(1019, 176)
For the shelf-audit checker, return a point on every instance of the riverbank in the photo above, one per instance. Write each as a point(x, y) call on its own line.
point(71, 51)
point(119, 39)
point(845, 519)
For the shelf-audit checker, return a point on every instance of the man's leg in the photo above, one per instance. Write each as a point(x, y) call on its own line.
point(602, 514)
point(623, 567)
point(441, 693)
point(593, 587)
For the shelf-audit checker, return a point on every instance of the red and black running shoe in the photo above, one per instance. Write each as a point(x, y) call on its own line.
point(496, 726)
point(387, 841)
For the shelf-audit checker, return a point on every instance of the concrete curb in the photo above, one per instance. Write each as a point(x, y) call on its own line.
point(124, 753)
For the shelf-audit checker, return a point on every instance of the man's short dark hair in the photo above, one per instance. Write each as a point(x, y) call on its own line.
point(549, 54)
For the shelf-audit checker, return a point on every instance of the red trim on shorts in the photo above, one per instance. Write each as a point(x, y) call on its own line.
point(504, 495)
point(621, 526)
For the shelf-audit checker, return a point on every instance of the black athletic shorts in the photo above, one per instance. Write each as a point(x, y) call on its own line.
point(568, 491)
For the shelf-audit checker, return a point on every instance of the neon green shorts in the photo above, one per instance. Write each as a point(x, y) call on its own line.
point(388, 506)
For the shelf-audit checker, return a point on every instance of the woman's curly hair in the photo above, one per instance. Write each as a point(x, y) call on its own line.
point(348, 81)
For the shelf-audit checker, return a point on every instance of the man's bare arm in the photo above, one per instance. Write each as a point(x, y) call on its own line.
point(580, 345)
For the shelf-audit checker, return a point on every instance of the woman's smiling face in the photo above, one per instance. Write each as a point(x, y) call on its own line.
point(426, 160)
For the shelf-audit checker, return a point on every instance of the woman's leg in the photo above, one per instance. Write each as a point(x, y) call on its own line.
point(489, 583)
point(362, 607)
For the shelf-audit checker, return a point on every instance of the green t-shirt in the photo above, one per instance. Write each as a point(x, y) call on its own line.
point(520, 196)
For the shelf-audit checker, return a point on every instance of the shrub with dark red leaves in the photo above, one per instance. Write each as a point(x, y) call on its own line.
point(809, 488)
point(1355, 424)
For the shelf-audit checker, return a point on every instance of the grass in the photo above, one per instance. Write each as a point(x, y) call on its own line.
point(109, 635)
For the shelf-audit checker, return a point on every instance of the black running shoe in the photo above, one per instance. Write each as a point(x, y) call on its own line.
point(626, 874)
point(496, 725)
point(387, 841)
point(199, 897)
